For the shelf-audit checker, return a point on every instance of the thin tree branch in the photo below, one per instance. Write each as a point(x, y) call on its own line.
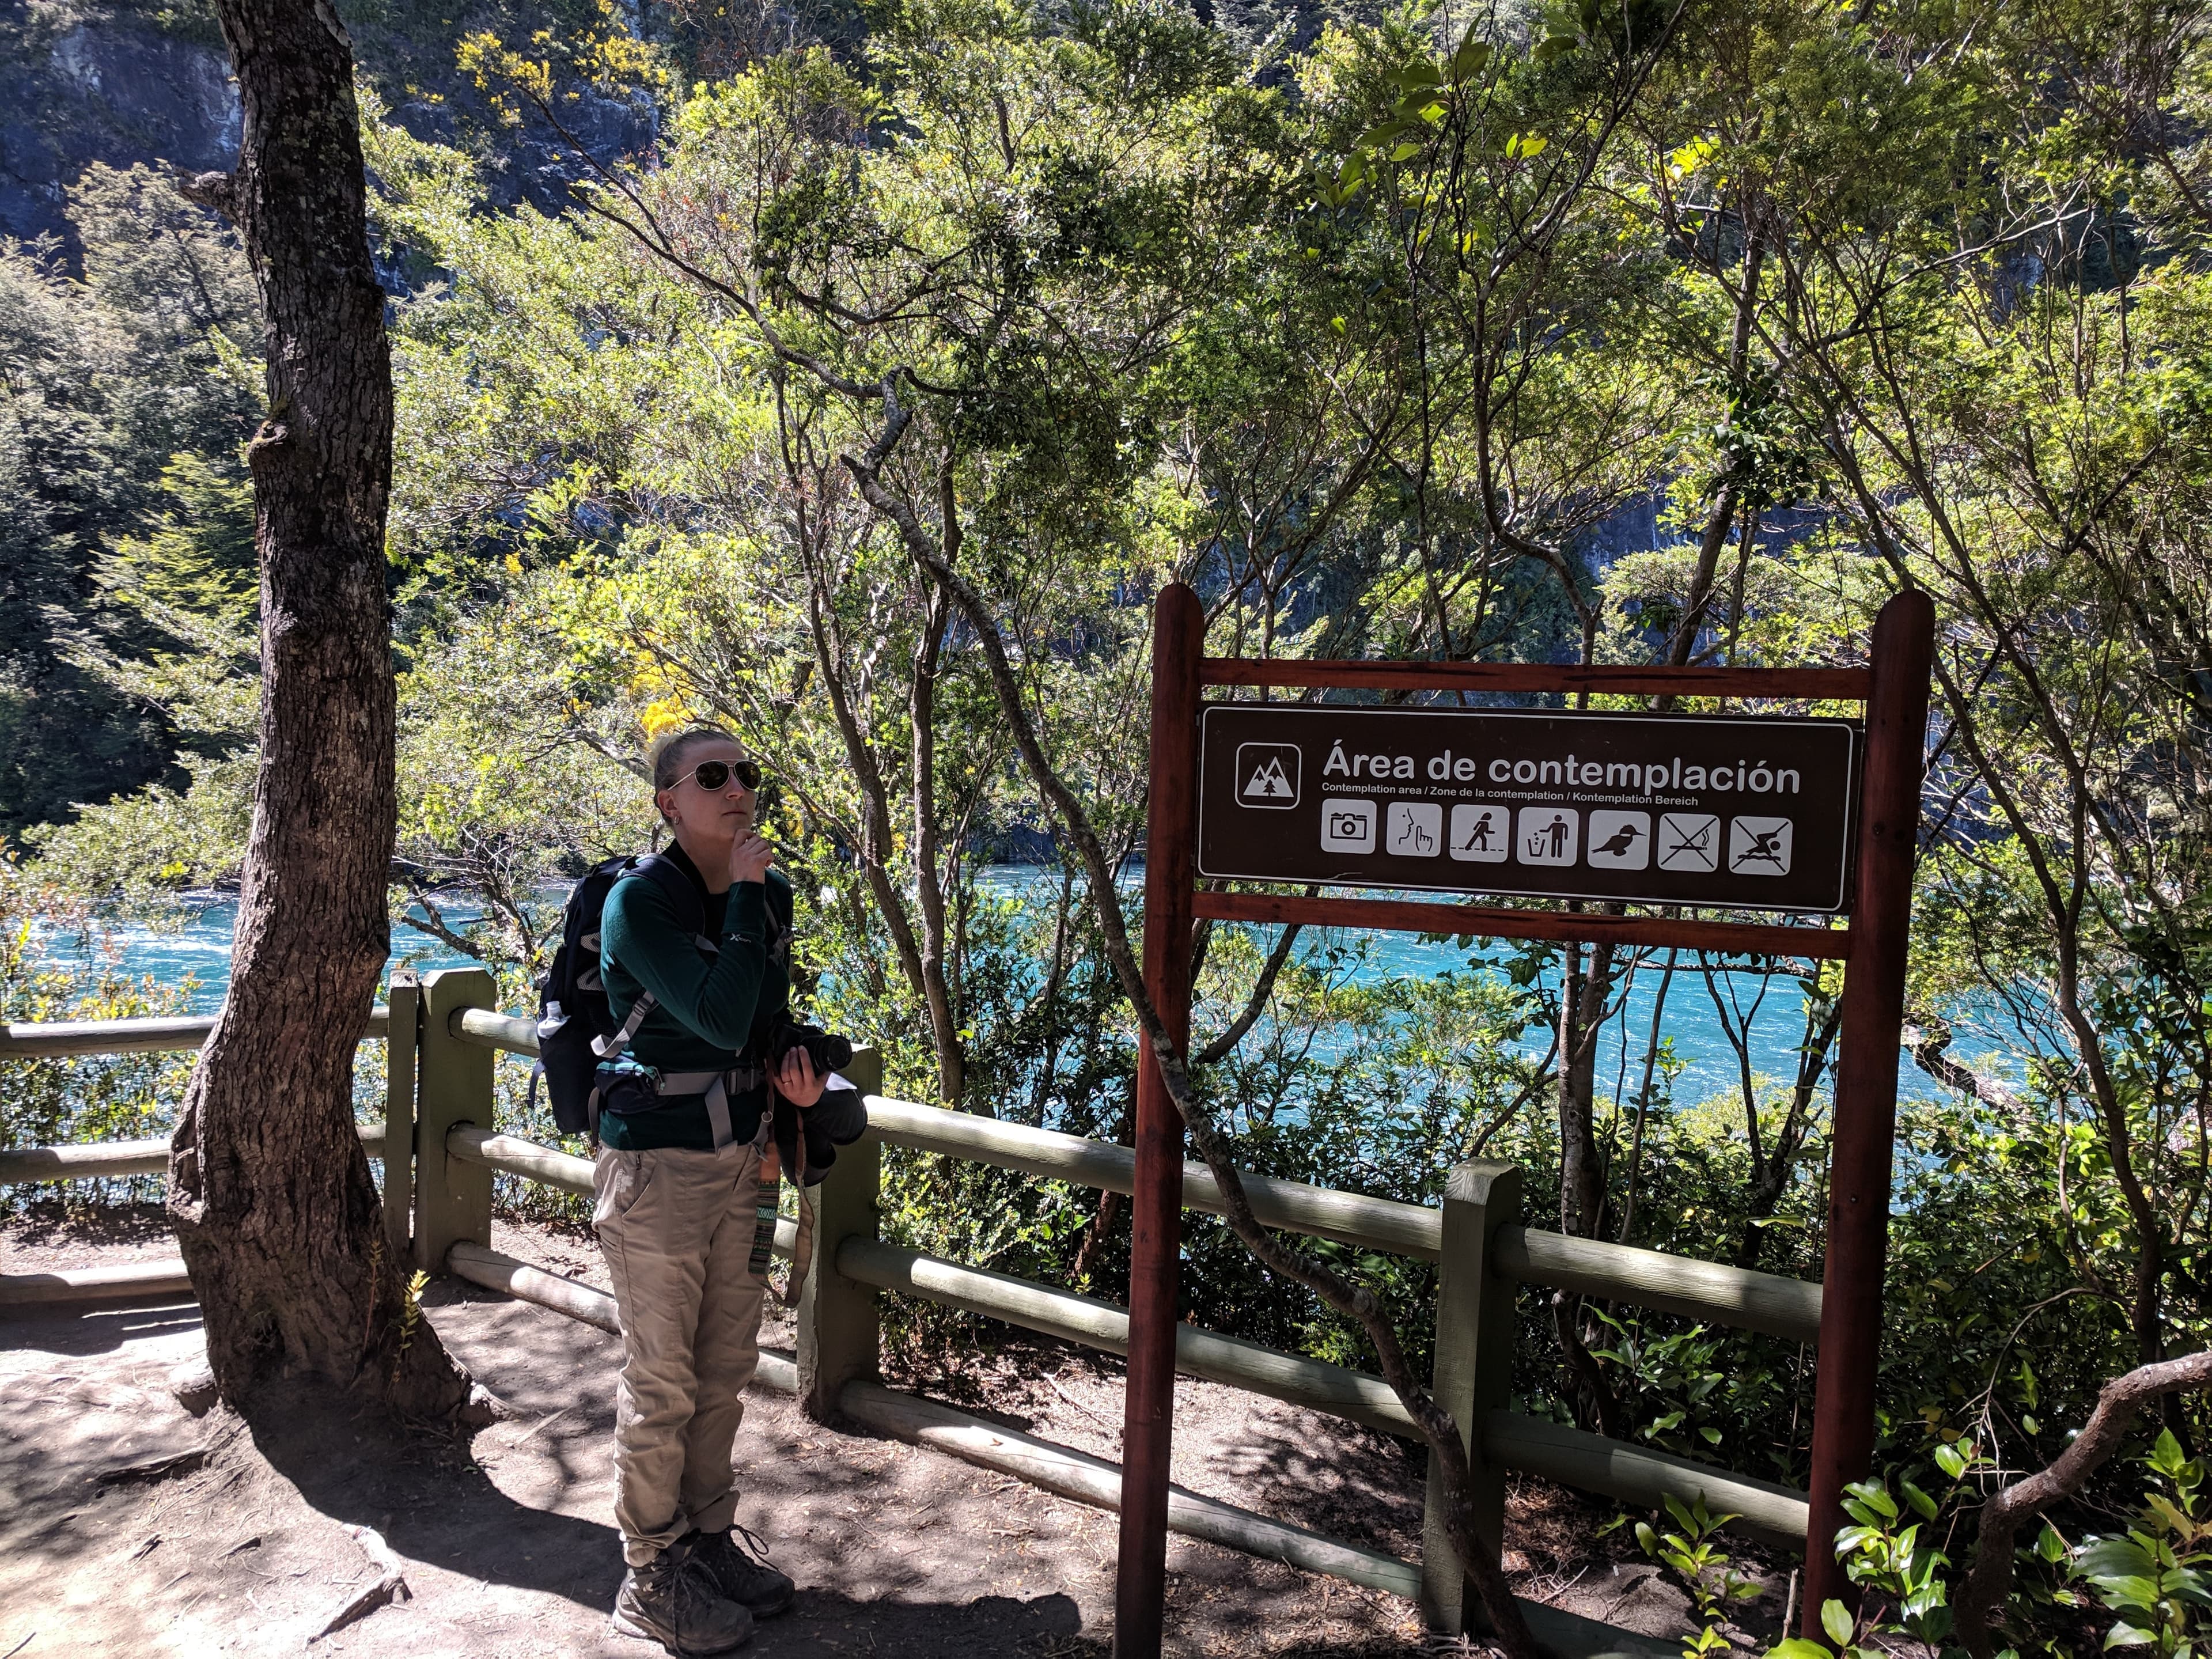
point(1990, 1580)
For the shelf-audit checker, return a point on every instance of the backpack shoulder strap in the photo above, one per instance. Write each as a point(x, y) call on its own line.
point(611, 1045)
point(682, 896)
point(673, 883)
point(779, 919)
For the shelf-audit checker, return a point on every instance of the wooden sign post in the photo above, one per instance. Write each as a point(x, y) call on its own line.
point(1742, 812)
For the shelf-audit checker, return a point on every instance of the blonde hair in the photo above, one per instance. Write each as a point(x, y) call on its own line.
point(665, 760)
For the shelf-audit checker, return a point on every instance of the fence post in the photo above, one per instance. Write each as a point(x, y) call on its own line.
point(453, 1200)
point(1473, 1373)
point(838, 1334)
point(400, 1040)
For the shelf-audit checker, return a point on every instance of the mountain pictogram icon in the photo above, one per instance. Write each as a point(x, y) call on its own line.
point(1268, 776)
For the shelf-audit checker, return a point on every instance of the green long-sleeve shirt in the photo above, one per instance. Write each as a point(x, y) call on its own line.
point(706, 1008)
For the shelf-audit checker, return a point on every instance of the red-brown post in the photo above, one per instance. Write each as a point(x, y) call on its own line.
point(1866, 1083)
point(1156, 1211)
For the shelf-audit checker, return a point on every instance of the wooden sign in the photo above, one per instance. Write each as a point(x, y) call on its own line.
point(1739, 812)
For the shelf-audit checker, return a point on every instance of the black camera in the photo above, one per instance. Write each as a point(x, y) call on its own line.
point(828, 1051)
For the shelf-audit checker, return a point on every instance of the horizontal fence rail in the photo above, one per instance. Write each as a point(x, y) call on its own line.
point(1573, 1456)
point(487, 1028)
point(162, 1279)
point(57, 1039)
point(1769, 1303)
point(1739, 1296)
point(101, 1160)
point(1290, 1377)
point(472, 1151)
point(512, 1155)
point(1752, 1300)
point(1643, 1475)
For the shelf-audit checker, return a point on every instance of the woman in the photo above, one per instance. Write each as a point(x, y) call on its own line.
point(677, 1184)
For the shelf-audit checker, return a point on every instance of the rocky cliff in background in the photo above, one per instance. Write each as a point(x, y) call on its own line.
point(151, 83)
point(78, 87)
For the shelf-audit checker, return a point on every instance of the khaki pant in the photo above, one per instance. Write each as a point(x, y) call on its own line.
point(677, 1228)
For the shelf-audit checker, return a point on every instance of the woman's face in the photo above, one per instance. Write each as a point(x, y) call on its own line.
point(703, 816)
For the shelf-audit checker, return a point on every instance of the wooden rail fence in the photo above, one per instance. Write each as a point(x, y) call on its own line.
point(442, 1149)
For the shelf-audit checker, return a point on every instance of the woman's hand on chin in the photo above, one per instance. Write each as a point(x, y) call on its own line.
point(751, 854)
point(795, 1079)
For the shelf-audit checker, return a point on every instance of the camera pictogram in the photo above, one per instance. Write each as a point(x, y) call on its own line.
point(1347, 826)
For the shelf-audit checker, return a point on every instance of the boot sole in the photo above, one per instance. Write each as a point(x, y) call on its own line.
point(774, 1610)
point(624, 1626)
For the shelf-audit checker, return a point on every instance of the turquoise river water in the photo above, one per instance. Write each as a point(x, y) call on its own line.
point(199, 952)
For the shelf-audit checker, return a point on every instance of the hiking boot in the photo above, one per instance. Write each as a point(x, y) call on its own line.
point(739, 1570)
point(666, 1602)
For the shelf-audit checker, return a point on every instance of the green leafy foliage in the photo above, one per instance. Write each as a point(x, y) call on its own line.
point(50, 970)
point(2154, 1576)
point(1692, 1555)
point(124, 398)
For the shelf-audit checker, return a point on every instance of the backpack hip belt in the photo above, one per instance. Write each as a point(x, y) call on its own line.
point(717, 1087)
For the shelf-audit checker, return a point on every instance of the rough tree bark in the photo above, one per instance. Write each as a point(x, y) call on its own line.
point(269, 1189)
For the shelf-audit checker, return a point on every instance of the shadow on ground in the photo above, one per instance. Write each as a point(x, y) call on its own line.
point(241, 1543)
point(243, 1546)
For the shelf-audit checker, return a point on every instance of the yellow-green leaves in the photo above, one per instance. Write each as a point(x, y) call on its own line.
point(1691, 157)
point(1837, 1622)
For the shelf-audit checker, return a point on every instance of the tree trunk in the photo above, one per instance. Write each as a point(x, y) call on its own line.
point(1582, 996)
point(928, 892)
point(269, 1187)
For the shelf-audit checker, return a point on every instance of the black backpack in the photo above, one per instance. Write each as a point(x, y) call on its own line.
point(575, 1027)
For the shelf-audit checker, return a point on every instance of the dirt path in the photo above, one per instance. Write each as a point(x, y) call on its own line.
point(243, 1548)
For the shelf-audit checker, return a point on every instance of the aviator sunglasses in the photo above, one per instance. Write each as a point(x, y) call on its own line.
point(714, 774)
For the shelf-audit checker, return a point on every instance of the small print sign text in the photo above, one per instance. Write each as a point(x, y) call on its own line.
point(1741, 812)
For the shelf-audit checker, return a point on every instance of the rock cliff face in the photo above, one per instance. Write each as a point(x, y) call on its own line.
point(120, 85)
point(113, 87)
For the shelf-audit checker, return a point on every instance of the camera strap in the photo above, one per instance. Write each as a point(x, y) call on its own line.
point(766, 1203)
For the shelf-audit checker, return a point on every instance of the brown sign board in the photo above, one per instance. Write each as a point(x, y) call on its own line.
point(1737, 812)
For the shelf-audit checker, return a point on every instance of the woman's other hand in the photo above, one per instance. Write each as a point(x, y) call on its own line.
point(795, 1079)
point(750, 857)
